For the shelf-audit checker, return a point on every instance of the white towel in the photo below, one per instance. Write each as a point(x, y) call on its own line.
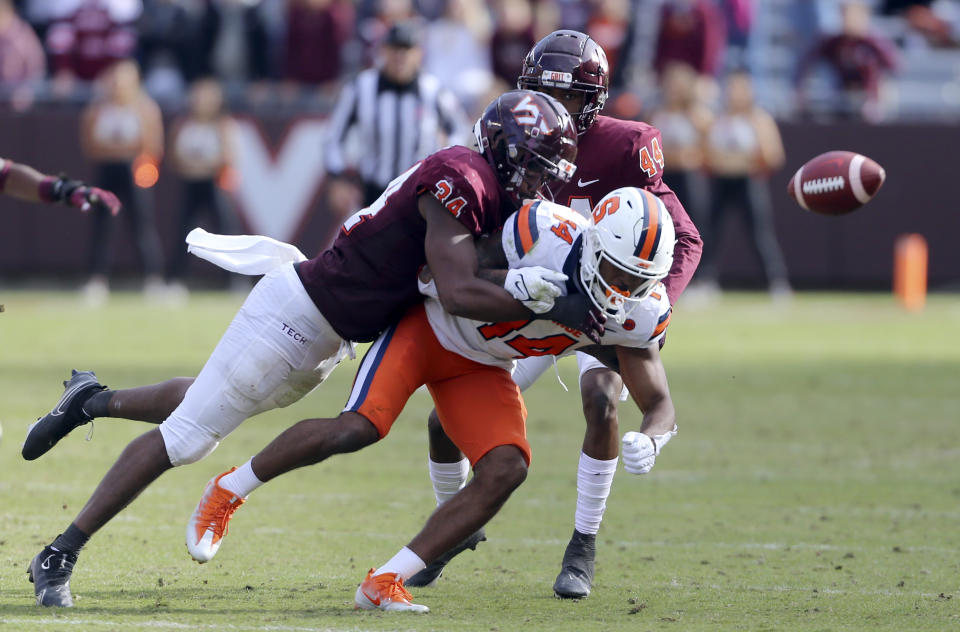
point(244, 254)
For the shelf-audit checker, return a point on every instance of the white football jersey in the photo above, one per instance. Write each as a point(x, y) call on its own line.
point(543, 234)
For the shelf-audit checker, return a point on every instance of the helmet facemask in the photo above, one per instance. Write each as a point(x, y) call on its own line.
point(594, 98)
point(569, 61)
point(613, 276)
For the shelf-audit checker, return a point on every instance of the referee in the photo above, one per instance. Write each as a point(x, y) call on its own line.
point(398, 115)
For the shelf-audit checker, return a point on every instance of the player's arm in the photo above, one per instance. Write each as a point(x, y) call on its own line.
point(453, 261)
point(686, 255)
point(26, 183)
point(452, 258)
point(644, 375)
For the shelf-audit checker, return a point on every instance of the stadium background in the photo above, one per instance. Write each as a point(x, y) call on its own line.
point(281, 104)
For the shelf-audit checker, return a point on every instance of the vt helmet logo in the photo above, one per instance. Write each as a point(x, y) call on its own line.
point(527, 113)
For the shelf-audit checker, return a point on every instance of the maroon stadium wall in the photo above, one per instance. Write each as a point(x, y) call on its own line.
point(281, 195)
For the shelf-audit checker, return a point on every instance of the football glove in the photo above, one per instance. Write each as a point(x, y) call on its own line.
point(78, 195)
point(578, 312)
point(535, 287)
point(640, 451)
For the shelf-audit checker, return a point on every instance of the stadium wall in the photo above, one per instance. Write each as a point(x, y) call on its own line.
point(279, 185)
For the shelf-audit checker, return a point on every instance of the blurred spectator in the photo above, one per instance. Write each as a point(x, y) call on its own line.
point(166, 50)
point(87, 36)
point(512, 38)
point(375, 19)
point(123, 134)
point(923, 19)
point(693, 32)
point(234, 44)
point(317, 31)
point(399, 114)
point(609, 25)
point(858, 60)
point(455, 51)
point(683, 120)
point(21, 54)
point(738, 18)
point(743, 148)
point(202, 148)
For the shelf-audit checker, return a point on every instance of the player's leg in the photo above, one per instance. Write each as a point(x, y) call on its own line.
point(250, 362)
point(484, 414)
point(390, 372)
point(449, 468)
point(85, 399)
point(600, 390)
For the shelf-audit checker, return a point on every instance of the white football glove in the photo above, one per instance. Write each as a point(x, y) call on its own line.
point(535, 287)
point(640, 451)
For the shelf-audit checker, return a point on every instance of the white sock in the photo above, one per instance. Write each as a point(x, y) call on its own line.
point(448, 478)
point(594, 479)
point(241, 481)
point(406, 564)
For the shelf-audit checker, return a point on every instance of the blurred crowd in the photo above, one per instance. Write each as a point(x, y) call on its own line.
point(269, 53)
point(711, 74)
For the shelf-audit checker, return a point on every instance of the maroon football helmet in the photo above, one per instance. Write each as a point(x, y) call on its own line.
point(569, 60)
point(530, 141)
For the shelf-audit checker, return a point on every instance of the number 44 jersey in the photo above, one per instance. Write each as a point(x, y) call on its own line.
point(543, 234)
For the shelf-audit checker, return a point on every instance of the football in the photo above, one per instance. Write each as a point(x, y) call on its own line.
point(836, 182)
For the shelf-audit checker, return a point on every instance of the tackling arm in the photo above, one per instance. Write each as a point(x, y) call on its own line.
point(452, 257)
point(534, 292)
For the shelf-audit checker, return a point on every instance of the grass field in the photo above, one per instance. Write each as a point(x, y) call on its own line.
point(814, 485)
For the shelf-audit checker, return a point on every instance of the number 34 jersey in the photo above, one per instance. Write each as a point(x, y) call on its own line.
point(547, 235)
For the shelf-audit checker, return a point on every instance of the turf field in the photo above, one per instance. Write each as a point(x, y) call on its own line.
point(814, 485)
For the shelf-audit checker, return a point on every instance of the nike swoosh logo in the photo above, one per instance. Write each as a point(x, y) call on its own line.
point(45, 565)
point(374, 600)
point(57, 411)
point(581, 183)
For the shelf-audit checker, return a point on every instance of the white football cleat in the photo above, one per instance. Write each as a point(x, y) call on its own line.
point(385, 592)
point(208, 524)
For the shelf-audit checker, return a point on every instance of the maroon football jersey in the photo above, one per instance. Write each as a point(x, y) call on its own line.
point(614, 153)
point(367, 279)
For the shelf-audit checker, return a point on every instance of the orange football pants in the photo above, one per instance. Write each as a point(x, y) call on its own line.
point(479, 406)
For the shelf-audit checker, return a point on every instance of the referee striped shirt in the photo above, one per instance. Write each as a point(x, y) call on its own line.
point(396, 124)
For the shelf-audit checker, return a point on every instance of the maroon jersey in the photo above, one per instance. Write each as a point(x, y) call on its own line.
point(615, 153)
point(367, 279)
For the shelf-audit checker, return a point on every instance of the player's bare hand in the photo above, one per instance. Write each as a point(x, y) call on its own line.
point(535, 286)
point(578, 312)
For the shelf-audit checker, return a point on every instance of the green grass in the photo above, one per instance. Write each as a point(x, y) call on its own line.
point(814, 485)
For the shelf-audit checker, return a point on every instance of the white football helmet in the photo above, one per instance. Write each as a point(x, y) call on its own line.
point(632, 230)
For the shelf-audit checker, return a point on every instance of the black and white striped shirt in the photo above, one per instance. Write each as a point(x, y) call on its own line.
point(396, 125)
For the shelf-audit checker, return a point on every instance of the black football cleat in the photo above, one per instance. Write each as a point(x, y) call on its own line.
point(44, 433)
point(50, 574)
point(430, 575)
point(576, 576)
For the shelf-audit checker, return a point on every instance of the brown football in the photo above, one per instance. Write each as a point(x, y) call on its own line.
point(836, 182)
